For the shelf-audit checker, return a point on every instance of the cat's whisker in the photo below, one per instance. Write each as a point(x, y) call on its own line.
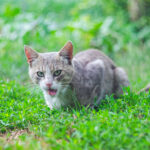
point(33, 92)
point(31, 87)
point(67, 83)
point(27, 85)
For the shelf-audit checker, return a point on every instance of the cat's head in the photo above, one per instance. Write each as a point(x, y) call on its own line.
point(53, 71)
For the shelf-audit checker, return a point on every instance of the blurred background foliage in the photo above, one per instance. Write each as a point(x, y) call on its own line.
point(120, 28)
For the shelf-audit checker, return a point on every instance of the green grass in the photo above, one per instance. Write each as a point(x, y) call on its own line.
point(116, 124)
point(46, 26)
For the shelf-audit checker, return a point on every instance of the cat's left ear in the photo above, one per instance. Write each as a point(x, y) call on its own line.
point(30, 54)
point(67, 51)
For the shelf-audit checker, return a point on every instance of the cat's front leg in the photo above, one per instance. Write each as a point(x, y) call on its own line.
point(48, 100)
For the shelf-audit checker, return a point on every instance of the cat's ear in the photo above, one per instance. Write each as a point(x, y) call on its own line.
point(30, 54)
point(67, 51)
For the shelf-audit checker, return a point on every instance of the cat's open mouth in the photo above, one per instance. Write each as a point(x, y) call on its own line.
point(52, 92)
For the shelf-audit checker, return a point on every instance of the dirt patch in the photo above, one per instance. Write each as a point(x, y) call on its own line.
point(13, 135)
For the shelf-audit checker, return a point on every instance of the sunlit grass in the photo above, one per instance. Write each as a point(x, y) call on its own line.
point(121, 123)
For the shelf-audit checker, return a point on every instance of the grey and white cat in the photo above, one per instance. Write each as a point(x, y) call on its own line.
point(90, 75)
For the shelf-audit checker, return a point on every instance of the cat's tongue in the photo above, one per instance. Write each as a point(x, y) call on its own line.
point(52, 92)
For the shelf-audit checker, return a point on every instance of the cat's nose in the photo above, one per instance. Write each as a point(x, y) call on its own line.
point(49, 85)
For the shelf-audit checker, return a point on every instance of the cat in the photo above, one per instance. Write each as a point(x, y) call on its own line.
point(89, 76)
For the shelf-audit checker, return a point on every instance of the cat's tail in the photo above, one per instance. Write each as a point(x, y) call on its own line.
point(146, 89)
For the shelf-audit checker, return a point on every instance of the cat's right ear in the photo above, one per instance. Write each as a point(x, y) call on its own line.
point(30, 54)
point(67, 51)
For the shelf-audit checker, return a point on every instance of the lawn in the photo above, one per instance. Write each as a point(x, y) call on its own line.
point(25, 120)
point(27, 123)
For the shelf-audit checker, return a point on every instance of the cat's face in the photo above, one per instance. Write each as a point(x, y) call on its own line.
point(53, 71)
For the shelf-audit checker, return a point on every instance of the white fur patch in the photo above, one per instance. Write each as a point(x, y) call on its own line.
point(58, 100)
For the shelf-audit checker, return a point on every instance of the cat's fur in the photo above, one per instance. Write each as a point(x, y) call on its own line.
point(89, 75)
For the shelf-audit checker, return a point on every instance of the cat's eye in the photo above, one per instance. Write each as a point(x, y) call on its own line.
point(40, 74)
point(57, 73)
